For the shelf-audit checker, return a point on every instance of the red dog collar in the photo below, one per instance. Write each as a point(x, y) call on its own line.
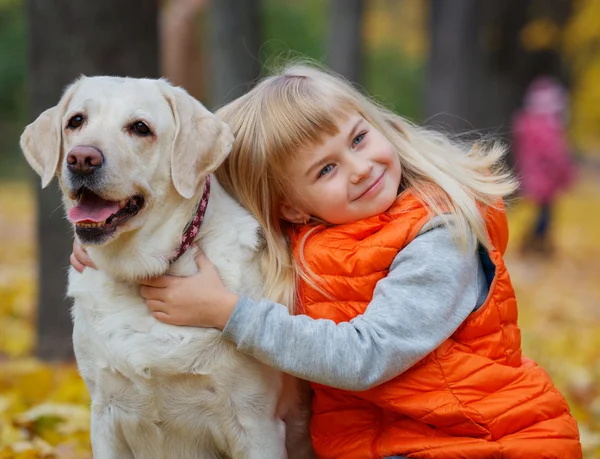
point(193, 226)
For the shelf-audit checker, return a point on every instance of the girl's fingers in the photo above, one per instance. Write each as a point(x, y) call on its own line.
point(82, 255)
point(152, 293)
point(161, 316)
point(165, 318)
point(200, 257)
point(75, 263)
point(157, 282)
point(156, 306)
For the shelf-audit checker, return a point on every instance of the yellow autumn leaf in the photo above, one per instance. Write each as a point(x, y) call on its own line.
point(54, 422)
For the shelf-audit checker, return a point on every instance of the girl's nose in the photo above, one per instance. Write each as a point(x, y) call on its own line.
point(361, 168)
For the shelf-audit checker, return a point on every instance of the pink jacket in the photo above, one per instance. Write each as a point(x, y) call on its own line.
point(543, 159)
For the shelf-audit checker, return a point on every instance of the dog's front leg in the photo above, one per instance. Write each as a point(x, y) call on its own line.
point(298, 440)
point(106, 444)
point(294, 408)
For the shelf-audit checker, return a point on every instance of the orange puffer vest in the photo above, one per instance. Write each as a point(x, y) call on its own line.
point(474, 397)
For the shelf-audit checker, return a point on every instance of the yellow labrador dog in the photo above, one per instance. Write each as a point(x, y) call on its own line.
point(134, 158)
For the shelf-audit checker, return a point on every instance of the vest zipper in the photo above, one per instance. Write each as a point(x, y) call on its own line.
point(378, 433)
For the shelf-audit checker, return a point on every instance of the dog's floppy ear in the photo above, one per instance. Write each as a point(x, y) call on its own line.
point(41, 140)
point(201, 144)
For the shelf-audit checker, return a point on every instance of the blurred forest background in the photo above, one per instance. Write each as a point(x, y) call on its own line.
point(458, 65)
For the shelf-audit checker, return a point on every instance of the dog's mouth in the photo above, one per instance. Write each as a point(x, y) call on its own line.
point(94, 216)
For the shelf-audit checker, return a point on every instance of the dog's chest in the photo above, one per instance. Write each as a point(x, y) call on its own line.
point(173, 382)
point(114, 330)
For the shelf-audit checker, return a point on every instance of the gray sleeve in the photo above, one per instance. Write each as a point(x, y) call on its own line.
point(432, 286)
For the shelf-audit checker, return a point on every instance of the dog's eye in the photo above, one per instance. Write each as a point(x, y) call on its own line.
point(75, 121)
point(141, 128)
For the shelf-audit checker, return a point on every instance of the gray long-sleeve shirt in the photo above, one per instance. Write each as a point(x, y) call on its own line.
point(431, 287)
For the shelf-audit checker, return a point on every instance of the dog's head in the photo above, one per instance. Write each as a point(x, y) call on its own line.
point(121, 145)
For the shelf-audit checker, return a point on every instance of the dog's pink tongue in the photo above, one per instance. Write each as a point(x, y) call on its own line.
point(92, 207)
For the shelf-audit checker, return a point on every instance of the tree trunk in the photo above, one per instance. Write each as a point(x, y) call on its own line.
point(182, 47)
point(234, 48)
point(67, 39)
point(453, 59)
point(344, 43)
point(477, 68)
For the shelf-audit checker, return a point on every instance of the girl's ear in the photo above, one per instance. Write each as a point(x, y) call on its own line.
point(292, 214)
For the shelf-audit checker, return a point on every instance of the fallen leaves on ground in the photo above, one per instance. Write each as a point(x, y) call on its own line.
point(559, 301)
point(44, 407)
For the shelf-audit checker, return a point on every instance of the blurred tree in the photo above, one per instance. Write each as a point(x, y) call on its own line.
point(396, 41)
point(13, 69)
point(292, 29)
point(12, 63)
point(234, 47)
point(182, 50)
point(67, 39)
point(344, 41)
point(480, 60)
point(582, 50)
point(452, 58)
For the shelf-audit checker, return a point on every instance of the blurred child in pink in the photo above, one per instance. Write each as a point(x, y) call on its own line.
point(542, 156)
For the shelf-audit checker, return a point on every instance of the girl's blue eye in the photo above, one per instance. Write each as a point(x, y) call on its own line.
point(326, 170)
point(358, 139)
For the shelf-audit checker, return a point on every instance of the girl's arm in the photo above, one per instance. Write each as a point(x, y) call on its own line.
point(432, 286)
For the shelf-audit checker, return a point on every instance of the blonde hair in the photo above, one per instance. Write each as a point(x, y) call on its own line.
point(301, 104)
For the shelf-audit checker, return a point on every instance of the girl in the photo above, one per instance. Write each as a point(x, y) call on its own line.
point(542, 156)
point(393, 238)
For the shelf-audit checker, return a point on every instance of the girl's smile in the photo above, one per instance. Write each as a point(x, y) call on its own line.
point(373, 189)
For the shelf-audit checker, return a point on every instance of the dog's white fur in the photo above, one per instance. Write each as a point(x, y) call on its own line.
point(160, 391)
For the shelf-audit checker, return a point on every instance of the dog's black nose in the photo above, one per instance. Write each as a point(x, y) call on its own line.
point(84, 160)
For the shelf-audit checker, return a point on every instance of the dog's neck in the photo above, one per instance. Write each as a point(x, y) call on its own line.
point(163, 247)
point(193, 226)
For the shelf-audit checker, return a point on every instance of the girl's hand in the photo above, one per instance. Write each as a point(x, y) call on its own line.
point(200, 300)
point(80, 258)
